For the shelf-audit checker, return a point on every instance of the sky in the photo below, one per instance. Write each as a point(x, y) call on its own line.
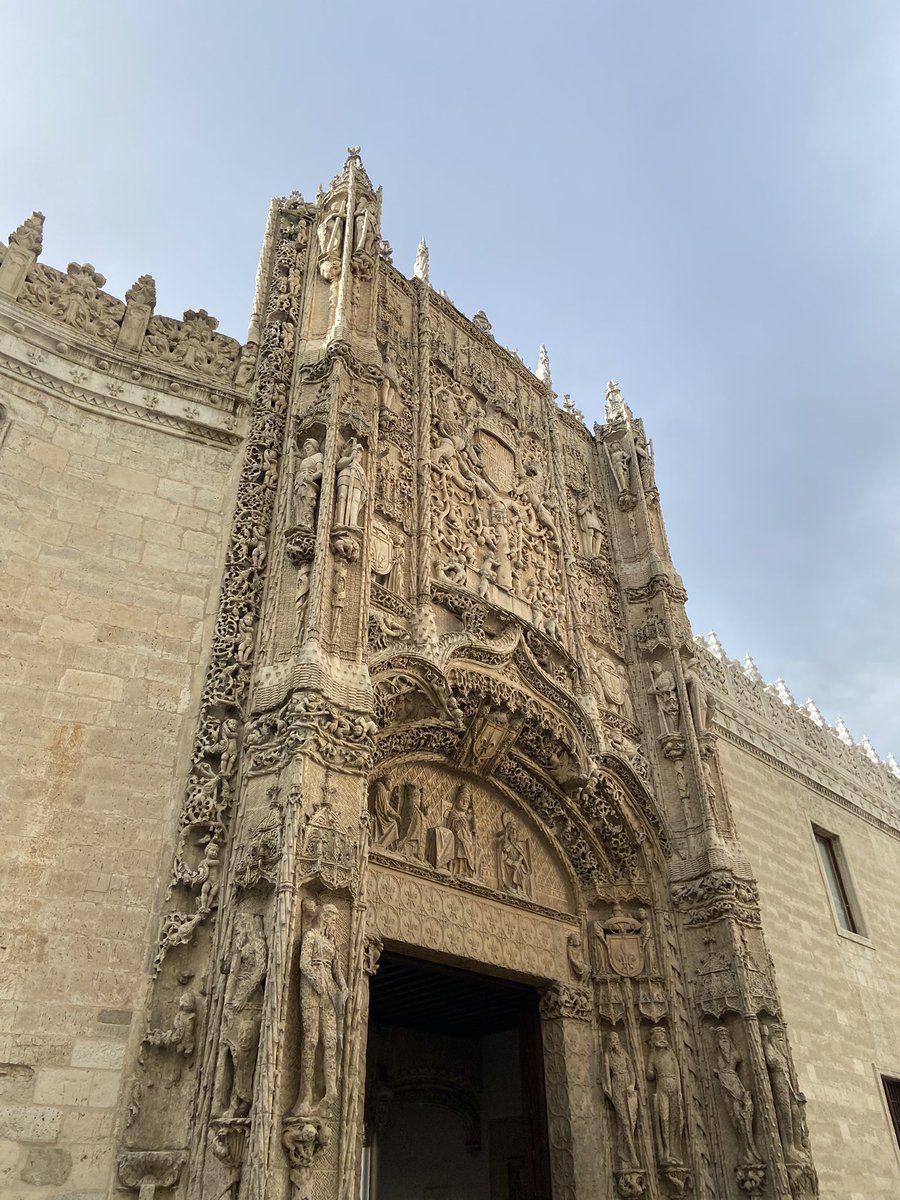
point(699, 200)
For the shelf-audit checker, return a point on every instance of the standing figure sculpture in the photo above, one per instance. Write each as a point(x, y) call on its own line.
point(323, 995)
point(307, 481)
point(242, 1017)
point(620, 1088)
point(514, 871)
point(740, 1102)
point(662, 686)
point(415, 839)
point(589, 526)
point(386, 816)
point(620, 460)
point(668, 1113)
point(699, 700)
point(351, 486)
point(788, 1101)
point(460, 821)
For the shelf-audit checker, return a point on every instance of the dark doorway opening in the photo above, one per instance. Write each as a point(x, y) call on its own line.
point(454, 1087)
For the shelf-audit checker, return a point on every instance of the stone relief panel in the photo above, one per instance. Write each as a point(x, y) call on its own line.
point(428, 914)
point(454, 826)
point(493, 527)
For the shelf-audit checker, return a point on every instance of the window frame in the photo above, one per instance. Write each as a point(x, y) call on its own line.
point(881, 1075)
point(843, 882)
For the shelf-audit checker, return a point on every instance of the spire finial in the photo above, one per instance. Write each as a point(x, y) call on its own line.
point(420, 270)
point(543, 367)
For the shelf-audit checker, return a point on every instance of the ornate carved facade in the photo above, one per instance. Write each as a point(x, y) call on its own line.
point(452, 708)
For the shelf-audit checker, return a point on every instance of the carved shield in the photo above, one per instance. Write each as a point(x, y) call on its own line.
point(626, 955)
point(613, 683)
point(382, 548)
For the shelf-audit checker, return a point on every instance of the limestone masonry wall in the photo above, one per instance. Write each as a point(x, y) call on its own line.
point(112, 539)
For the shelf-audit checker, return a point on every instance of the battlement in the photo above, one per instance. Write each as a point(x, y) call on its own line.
point(743, 689)
point(75, 298)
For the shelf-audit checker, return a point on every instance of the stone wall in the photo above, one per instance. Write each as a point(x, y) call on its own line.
point(117, 485)
point(839, 990)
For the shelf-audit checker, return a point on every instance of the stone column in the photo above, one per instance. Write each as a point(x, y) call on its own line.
point(573, 1102)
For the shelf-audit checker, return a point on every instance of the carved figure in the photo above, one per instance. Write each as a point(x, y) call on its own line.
point(651, 964)
point(207, 875)
point(386, 815)
point(258, 860)
point(699, 699)
point(415, 840)
point(365, 230)
point(323, 995)
point(498, 539)
point(180, 1037)
point(351, 487)
point(620, 1088)
point(788, 1101)
point(29, 235)
point(460, 821)
point(575, 954)
point(302, 597)
point(514, 870)
point(331, 233)
point(307, 481)
point(668, 1112)
point(621, 464)
point(589, 526)
point(242, 1015)
point(740, 1102)
point(663, 687)
point(643, 453)
point(338, 595)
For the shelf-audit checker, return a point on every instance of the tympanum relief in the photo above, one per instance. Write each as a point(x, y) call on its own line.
point(463, 831)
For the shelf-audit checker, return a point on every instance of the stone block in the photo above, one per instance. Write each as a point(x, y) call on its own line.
point(29, 1122)
point(98, 1053)
point(47, 1165)
point(62, 1085)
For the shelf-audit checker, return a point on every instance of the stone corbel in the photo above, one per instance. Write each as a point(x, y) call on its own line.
point(303, 1137)
point(144, 1171)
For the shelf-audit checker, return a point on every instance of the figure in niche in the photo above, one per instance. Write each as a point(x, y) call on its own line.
point(589, 526)
point(415, 840)
point(497, 537)
point(662, 686)
point(788, 1101)
point(242, 1016)
point(651, 963)
point(740, 1102)
point(462, 858)
point(668, 1114)
point(365, 230)
point(307, 481)
point(643, 454)
point(621, 462)
point(700, 701)
point(620, 1088)
point(351, 487)
point(323, 995)
point(385, 815)
point(514, 870)
point(338, 596)
point(331, 233)
point(575, 954)
point(302, 598)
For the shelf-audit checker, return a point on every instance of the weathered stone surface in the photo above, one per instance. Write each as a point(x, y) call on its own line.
point(47, 1165)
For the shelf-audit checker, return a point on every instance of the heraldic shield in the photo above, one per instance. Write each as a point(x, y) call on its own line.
point(626, 954)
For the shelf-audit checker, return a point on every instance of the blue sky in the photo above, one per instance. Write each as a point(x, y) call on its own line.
point(699, 200)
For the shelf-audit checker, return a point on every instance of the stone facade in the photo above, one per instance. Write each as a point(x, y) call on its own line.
point(351, 638)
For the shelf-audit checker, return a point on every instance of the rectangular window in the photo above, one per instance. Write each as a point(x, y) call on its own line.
point(827, 847)
point(892, 1094)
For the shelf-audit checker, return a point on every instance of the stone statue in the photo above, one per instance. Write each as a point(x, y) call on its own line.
point(242, 1016)
point(386, 816)
point(788, 1101)
point(338, 596)
point(663, 687)
point(643, 453)
point(460, 821)
point(621, 466)
point(740, 1102)
point(589, 526)
point(514, 870)
point(301, 599)
point(668, 1112)
point(575, 954)
point(180, 1037)
point(415, 839)
point(323, 995)
point(29, 235)
point(620, 1088)
point(351, 487)
point(699, 700)
point(651, 963)
point(307, 481)
point(207, 875)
